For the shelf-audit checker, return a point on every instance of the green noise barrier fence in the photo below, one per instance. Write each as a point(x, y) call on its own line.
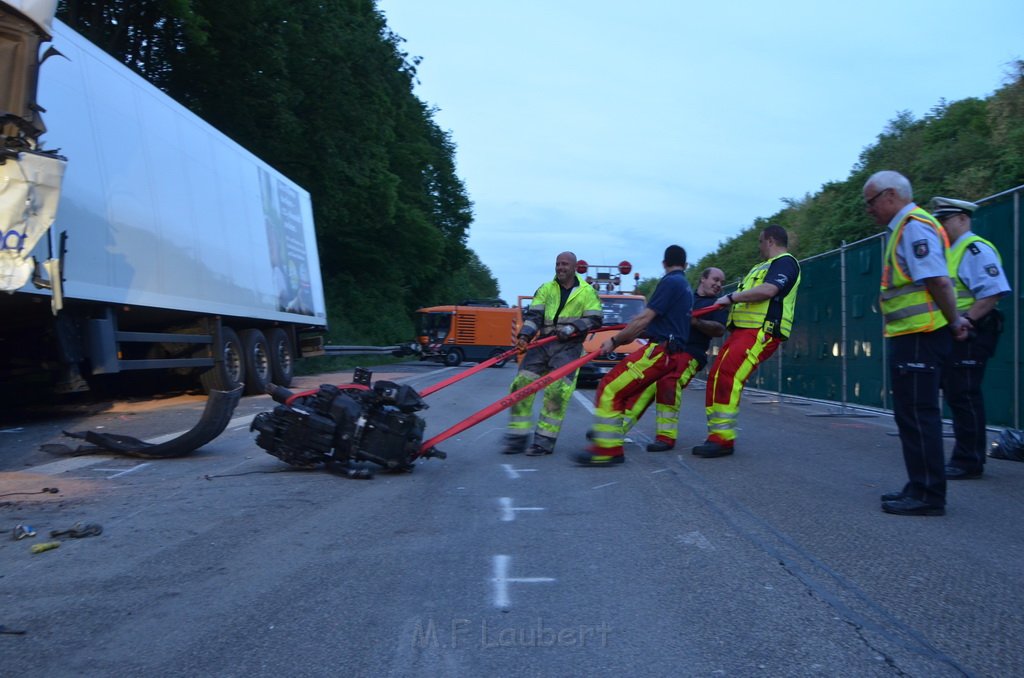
point(837, 352)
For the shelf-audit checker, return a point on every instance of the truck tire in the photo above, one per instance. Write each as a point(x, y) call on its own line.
point(228, 371)
point(495, 353)
point(257, 361)
point(453, 357)
point(282, 357)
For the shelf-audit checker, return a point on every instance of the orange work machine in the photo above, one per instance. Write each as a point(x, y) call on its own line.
point(474, 330)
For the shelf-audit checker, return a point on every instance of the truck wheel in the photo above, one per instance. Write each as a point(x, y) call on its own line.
point(496, 352)
point(453, 357)
point(257, 361)
point(228, 369)
point(282, 358)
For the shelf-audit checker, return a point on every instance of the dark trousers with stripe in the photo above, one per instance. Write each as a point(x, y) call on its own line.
point(961, 385)
point(915, 364)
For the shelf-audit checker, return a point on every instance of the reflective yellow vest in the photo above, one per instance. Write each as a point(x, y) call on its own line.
point(583, 302)
point(775, 315)
point(964, 297)
point(907, 306)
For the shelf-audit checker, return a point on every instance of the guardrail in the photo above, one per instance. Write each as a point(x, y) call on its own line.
point(358, 350)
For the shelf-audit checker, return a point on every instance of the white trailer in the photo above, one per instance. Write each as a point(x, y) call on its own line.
point(172, 247)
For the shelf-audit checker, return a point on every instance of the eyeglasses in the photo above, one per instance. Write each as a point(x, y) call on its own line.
point(871, 201)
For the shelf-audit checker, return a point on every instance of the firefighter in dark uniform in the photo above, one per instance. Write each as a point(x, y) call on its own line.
point(666, 322)
point(667, 394)
point(976, 270)
point(919, 311)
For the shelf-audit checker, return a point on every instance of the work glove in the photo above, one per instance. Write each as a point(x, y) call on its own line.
point(521, 343)
point(567, 332)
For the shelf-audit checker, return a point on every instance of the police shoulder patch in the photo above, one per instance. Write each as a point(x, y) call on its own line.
point(974, 249)
point(920, 248)
point(992, 270)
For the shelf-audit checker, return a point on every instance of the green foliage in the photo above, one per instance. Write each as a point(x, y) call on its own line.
point(966, 149)
point(646, 286)
point(322, 92)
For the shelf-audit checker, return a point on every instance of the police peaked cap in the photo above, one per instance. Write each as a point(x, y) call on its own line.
point(944, 207)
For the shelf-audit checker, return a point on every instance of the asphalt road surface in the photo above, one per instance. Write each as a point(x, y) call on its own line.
point(773, 562)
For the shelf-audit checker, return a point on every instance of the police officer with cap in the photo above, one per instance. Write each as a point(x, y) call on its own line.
point(976, 270)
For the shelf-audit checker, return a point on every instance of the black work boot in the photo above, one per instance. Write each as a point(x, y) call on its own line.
point(515, 444)
point(542, 445)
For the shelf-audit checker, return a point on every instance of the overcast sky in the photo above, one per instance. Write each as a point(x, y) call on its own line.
point(614, 129)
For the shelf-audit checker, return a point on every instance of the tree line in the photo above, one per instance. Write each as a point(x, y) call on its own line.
point(323, 92)
point(967, 149)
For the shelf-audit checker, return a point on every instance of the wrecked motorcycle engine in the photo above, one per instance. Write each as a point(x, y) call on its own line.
point(341, 425)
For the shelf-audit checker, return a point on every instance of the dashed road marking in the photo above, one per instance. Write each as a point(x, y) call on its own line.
point(508, 512)
point(514, 472)
point(502, 580)
point(697, 539)
point(122, 472)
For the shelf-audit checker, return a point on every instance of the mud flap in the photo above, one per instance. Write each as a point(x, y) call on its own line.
point(219, 408)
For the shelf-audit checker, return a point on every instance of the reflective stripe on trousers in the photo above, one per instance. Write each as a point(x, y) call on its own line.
point(667, 394)
point(742, 352)
point(536, 363)
point(622, 387)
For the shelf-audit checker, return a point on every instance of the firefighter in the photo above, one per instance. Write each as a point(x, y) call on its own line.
point(666, 322)
point(566, 306)
point(760, 319)
point(668, 394)
point(979, 281)
point(919, 314)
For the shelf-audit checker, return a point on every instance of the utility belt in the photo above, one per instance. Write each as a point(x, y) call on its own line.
point(990, 323)
point(670, 345)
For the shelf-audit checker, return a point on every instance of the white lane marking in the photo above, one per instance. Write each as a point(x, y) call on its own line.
point(122, 472)
point(502, 580)
point(242, 421)
point(508, 512)
point(65, 465)
point(513, 472)
point(586, 402)
point(12, 430)
point(598, 487)
point(660, 470)
point(697, 539)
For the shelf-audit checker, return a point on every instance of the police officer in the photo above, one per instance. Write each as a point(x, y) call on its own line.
point(979, 281)
point(919, 312)
point(760, 319)
point(566, 306)
point(666, 322)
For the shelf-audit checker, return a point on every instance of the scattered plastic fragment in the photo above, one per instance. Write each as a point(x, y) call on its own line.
point(22, 531)
point(45, 546)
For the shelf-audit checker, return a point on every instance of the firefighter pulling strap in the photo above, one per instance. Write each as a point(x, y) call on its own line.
point(341, 426)
point(511, 399)
point(496, 359)
point(508, 401)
